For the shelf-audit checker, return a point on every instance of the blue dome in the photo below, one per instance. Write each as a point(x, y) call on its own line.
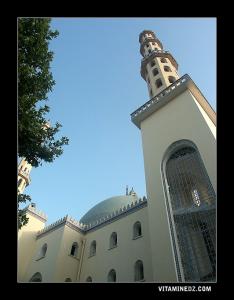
point(107, 207)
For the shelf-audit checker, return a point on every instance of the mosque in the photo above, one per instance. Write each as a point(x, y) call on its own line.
point(168, 236)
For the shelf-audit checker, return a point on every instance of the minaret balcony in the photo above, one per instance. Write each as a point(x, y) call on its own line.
point(152, 55)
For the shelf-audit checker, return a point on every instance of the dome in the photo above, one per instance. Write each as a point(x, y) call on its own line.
point(107, 207)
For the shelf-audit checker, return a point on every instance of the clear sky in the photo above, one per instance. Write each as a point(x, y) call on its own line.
point(96, 67)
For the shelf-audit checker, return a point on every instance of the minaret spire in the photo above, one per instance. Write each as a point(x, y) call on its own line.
point(158, 67)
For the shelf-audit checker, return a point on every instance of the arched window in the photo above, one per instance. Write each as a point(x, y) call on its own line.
point(93, 247)
point(89, 279)
point(158, 83)
point(137, 232)
point(111, 276)
point(155, 71)
point(171, 79)
point(190, 200)
point(163, 60)
point(36, 277)
point(149, 50)
point(74, 249)
point(152, 64)
point(113, 240)
point(167, 69)
point(138, 270)
point(68, 280)
point(42, 252)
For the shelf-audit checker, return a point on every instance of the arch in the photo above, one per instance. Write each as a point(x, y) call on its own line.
point(111, 276)
point(137, 230)
point(167, 69)
point(68, 279)
point(191, 207)
point(20, 181)
point(138, 270)
point(36, 277)
point(153, 63)
point(74, 249)
point(155, 71)
point(89, 279)
point(113, 240)
point(171, 79)
point(163, 60)
point(158, 83)
point(93, 248)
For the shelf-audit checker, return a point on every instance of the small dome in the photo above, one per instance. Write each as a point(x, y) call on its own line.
point(107, 207)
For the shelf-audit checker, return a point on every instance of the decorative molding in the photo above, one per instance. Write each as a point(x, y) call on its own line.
point(36, 213)
point(84, 228)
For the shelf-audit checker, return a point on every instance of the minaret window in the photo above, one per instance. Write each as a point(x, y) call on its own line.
point(152, 63)
point(149, 50)
point(147, 45)
point(155, 71)
point(158, 83)
point(139, 271)
point(19, 181)
point(171, 79)
point(111, 276)
point(167, 69)
point(163, 60)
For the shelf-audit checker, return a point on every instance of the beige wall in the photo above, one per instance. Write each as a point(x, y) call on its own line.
point(27, 243)
point(179, 119)
point(121, 258)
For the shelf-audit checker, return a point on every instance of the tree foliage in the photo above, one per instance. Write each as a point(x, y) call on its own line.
point(36, 140)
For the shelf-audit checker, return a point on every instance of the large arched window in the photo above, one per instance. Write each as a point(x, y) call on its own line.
point(137, 232)
point(113, 240)
point(74, 249)
point(36, 277)
point(138, 270)
point(89, 279)
point(93, 248)
point(111, 276)
point(190, 200)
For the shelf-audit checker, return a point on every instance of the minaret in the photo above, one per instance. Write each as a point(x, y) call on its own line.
point(158, 67)
point(24, 180)
point(178, 131)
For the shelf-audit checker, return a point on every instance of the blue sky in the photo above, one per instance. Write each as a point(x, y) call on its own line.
point(96, 67)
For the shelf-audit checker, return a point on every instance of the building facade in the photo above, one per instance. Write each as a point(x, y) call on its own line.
point(168, 237)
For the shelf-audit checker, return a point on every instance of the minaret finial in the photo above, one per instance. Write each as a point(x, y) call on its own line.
point(127, 190)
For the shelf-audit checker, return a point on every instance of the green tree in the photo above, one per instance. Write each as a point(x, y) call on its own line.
point(36, 140)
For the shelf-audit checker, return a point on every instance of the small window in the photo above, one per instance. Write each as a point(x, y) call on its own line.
point(167, 69)
point(113, 240)
point(19, 181)
point(171, 79)
point(153, 43)
point(147, 45)
point(149, 50)
point(42, 251)
point(163, 60)
point(74, 249)
point(158, 83)
point(111, 276)
point(68, 280)
point(155, 71)
point(138, 271)
point(89, 279)
point(137, 232)
point(152, 63)
point(93, 247)
point(36, 277)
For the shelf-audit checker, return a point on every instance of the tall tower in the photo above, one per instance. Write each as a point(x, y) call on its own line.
point(158, 67)
point(24, 180)
point(178, 129)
